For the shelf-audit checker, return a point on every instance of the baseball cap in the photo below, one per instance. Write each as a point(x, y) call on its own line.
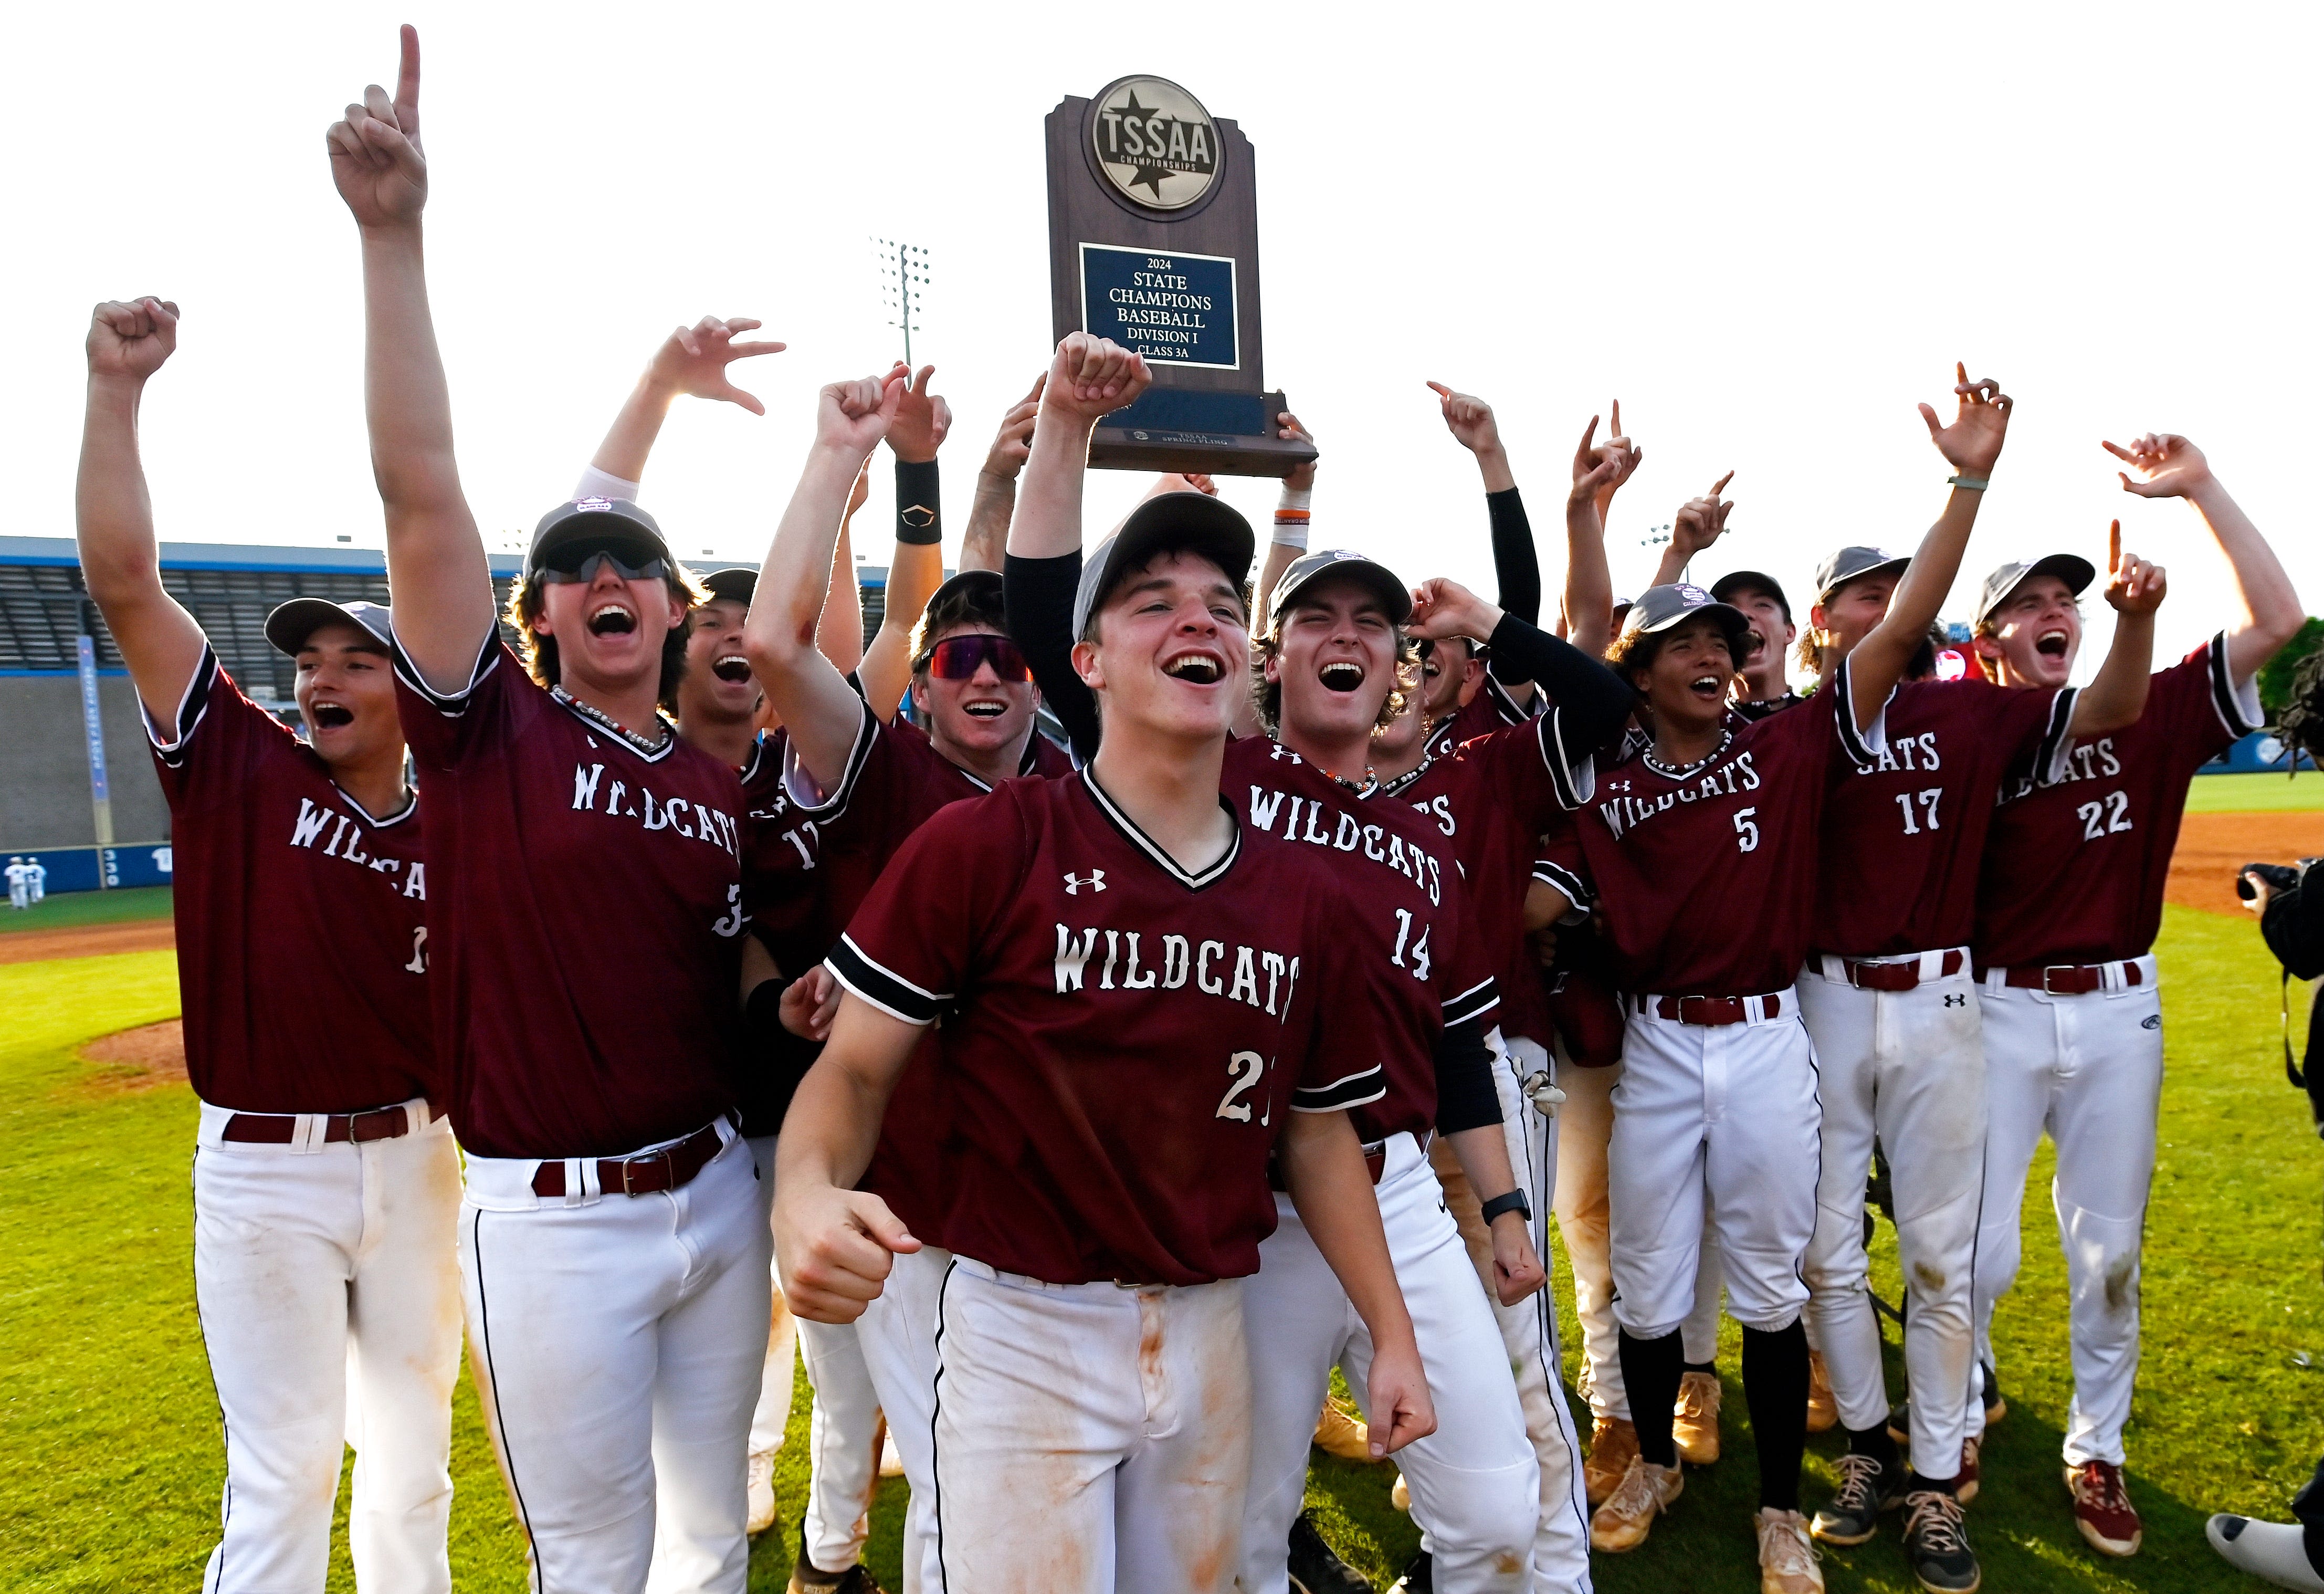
point(1307, 569)
point(1835, 571)
point(289, 625)
point(2072, 569)
point(590, 525)
point(1735, 581)
point(1658, 608)
point(1168, 522)
point(735, 583)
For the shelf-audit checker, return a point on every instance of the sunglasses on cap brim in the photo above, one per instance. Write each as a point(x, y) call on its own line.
point(958, 659)
point(580, 565)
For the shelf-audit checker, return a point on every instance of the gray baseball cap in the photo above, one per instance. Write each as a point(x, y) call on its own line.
point(2072, 569)
point(615, 525)
point(1168, 522)
point(1307, 569)
point(289, 625)
point(1658, 608)
point(1835, 571)
point(1735, 581)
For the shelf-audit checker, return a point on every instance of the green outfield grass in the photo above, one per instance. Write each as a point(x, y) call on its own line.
point(2264, 793)
point(110, 1463)
point(74, 908)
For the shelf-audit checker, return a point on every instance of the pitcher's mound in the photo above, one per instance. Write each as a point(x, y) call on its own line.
point(137, 1059)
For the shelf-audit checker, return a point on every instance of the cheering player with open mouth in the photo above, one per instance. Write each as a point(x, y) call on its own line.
point(583, 928)
point(1719, 1091)
point(1130, 978)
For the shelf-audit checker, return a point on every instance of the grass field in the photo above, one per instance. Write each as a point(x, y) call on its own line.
point(73, 909)
point(110, 1463)
point(2261, 793)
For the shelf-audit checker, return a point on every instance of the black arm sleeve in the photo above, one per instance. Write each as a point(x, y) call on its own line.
point(781, 1057)
point(1516, 564)
point(1038, 597)
point(1465, 1096)
point(1591, 697)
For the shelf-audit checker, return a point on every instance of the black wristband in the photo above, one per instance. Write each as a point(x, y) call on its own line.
point(1513, 1201)
point(919, 511)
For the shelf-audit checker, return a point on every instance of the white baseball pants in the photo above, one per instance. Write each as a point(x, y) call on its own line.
point(770, 1419)
point(1475, 1482)
point(1087, 1437)
point(1907, 1066)
point(330, 1308)
point(1729, 1110)
point(622, 1343)
point(895, 1339)
point(843, 1445)
point(1561, 1541)
point(2089, 1070)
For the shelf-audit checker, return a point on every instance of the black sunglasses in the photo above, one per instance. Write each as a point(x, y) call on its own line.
point(957, 658)
point(556, 571)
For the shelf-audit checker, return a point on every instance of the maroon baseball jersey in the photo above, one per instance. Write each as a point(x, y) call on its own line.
point(1408, 919)
point(584, 949)
point(2074, 869)
point(302, 941)
point(1491, 799)
point(1489, 711)
point(1903, 839)
point(1122, 1037)
point(1706, 877)
point(779, 853)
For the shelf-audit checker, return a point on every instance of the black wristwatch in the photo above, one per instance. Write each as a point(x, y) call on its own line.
point(1513, 1201)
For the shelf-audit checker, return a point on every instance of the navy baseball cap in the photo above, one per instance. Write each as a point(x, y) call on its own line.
point(289, 625)
point(1168, 522)
point(735, 583)
point(1737, 580)
point(1835, 571)
point(591, 525)
point(1307, 569)
point(1658, 608)
point(2072, 569)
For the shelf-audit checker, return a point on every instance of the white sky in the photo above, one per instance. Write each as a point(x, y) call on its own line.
point(1769, 235)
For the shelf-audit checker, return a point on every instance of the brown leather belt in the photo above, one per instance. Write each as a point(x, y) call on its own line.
point(643, 1175)
point(281, 1129)
point(1903, 976)
point(1709, 1010)
point(2071, 979)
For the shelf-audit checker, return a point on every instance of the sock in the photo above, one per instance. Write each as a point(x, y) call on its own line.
point(1873, 1442)
point(1651, 1370)
point(1914, 1483)
point(1703, 1367)
point(1775, 1388)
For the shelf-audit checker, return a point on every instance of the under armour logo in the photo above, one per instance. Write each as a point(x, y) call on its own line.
point(1955, 998)
point(1095, 882)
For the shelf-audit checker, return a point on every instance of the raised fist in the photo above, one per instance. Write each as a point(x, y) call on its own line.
point(130, 341)
point(854, 415)
point(1469, 418)
point(375, 155)
point(922, 417)
point(1092, 377)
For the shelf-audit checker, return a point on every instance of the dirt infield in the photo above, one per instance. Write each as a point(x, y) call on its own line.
point(2213, 846)
point(136, 1059)
point(32, 947)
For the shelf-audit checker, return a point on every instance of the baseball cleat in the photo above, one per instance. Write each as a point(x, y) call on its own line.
point(1613, 1446)
point(806, 1578)
point(758, 1492)
point(1317, 1568)
point(1965, 1480)
point(1823, 1411)
point(1694, 1419)
point(1339, 1431)
point(1419, 1577)
point(1936, 1544)
point(1866, 1488)
point(2102, 1508)
point(1646, 1491)
point(1989, 1391)
point(1788, 1556)
point(2275, 1551)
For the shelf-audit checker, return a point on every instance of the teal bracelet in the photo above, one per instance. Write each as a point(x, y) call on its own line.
point(1971, 484)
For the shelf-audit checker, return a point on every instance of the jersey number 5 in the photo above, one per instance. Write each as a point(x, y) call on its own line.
point(1747, 830)
point(1247, 1068)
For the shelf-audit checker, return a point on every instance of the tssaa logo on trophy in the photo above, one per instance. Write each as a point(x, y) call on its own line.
point(1155, 143)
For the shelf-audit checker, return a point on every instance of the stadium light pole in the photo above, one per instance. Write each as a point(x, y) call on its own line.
point(100, 797)
point(904, 277)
